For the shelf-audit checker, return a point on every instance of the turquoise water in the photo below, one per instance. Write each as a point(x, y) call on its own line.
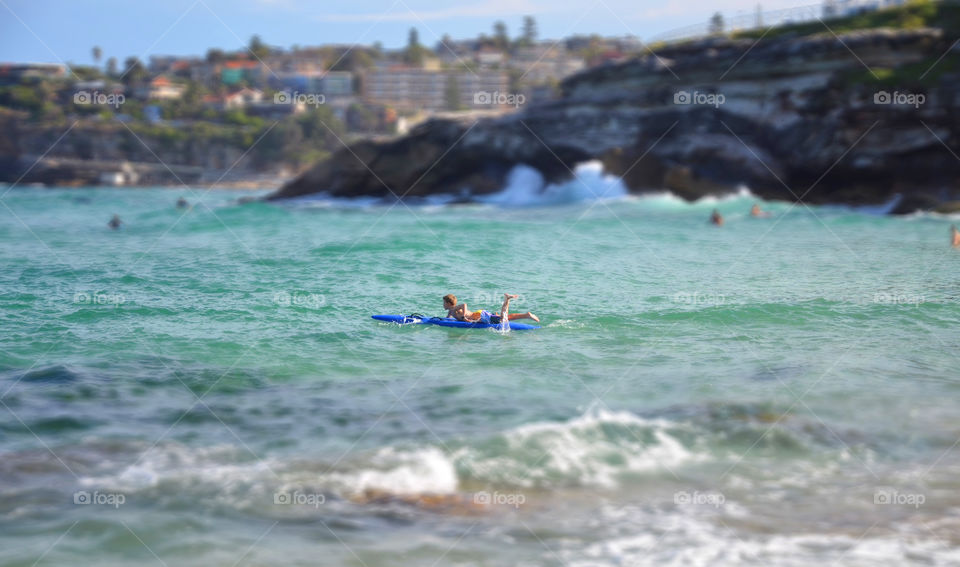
point(206, 387)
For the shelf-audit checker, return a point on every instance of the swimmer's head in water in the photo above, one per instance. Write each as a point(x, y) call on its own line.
point(450, 300)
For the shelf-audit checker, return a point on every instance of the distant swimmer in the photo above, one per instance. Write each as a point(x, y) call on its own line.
point(182, 203)
point(716, 218)
point(955, 236)
point(461, 313)
point(756, 212)
point(115, 222)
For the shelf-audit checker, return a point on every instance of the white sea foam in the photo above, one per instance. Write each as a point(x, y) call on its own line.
point(742, 193)
point(526, 187)
point(222, 469)
point(567, 324)
point(931, 215)
point(173, 462)
point(594, 449)
point(393, 471)
point(657, 537)
point(665, 198)
point(667, 201)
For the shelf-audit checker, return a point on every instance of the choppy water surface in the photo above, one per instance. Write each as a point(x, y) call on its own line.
point(206, 387)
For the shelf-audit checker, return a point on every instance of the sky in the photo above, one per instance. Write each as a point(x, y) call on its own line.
point(65, 31)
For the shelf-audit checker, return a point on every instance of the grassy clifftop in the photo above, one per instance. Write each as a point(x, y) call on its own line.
point(913, 15)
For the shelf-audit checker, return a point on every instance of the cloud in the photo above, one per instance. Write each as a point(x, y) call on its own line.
point(401, 12)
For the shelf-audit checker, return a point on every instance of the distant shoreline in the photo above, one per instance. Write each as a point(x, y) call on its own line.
point(221, 186)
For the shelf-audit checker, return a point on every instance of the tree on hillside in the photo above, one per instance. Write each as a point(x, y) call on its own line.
point(358, 85)
point(356, 59)
point(362, 118)
point(830, 9)
point(716, 25)
point(414, 52)
point(215, 55)
point(320, 126)
point(483, 40)
point(593, 48)
point(133, 71)
point(445, 45)
point(37, 99)
point(451, 93)
point(97, 54)
point(85, 72)
point(187, 106)
point(500, 37)
point(514, 78)
point(529, 34)
point(259, 49)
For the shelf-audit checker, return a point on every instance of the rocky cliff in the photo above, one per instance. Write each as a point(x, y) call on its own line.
point(854, 117)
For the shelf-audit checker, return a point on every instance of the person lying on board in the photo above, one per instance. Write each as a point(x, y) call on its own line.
point(460, 312)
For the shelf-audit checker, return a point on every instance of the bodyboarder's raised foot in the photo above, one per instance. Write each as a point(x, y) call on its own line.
point(504, 310)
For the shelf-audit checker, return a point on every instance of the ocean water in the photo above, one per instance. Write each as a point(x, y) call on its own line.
point(206, 387)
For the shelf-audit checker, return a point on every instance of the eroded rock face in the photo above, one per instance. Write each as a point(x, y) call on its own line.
point(441, 156)
point(789, 118)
